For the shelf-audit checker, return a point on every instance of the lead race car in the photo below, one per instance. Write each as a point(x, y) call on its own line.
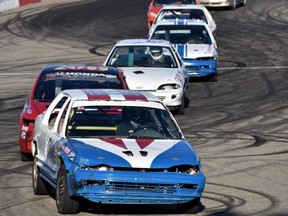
point(114, 147)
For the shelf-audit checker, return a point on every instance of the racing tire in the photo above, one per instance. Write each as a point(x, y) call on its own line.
point(234, 5)
point(40, 187)
point(26, 157)
point(186, 102)
point(191, 207)
point(181, 109)
point(65, 204)
point(214, 78)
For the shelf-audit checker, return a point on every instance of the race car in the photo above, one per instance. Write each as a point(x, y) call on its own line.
point(156, 5)
point(114, 146)
point(153, 66)
point(51, 81)
point(233, 4)
point(195, 44)
point(189, 11)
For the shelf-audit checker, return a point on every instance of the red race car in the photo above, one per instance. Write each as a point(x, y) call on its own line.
point(156, 5)
point(51, 81)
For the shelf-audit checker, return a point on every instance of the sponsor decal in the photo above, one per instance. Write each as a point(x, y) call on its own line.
point(86, 68)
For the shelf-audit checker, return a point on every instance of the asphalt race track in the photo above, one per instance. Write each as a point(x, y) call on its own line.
point(238, 125)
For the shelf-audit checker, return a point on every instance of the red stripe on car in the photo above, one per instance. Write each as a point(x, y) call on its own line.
point(97, 95)
point(143, 143)
point(116, 142)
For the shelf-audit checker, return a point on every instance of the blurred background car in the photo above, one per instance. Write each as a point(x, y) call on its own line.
point(51, 81)
point(153, 66)
point(189, 11)
point(233, 4)
point(156, 5)
point(195, 44)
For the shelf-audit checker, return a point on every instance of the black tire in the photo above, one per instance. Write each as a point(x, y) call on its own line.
point(40, 187)
point(214, 78)
point(65, 204)
point(186, 102)
point(181, 109)
point(234, 5)
point(26, 157)
point(191, 207)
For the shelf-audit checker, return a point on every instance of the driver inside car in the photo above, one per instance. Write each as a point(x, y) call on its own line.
point(133, 118)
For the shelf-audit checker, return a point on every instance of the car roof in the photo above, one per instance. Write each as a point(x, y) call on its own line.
point(144, 42)
point(70, 68)
point(110, 95)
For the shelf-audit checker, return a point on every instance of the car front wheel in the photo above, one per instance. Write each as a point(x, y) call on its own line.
point(65, 204)
point(40, 187)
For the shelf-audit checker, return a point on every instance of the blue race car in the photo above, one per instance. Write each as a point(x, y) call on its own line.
point(114, 147)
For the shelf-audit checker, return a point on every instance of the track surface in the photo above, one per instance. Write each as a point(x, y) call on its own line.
point(238, 125)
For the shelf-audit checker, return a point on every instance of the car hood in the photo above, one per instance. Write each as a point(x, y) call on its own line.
point(134, 153)
point(193, 51)
point(147, 78)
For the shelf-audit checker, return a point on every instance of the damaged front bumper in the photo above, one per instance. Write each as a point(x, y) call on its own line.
point(118, 187)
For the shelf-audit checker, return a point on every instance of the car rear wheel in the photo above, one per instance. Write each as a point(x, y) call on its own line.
point(26, 157)
point(40, 187)
point(65, 204)
point(191, 207)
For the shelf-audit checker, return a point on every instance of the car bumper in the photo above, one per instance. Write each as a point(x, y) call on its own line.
point(25, 138)
point(133, 188)
point(171, 99)
point(198, 68)
point(216, 3)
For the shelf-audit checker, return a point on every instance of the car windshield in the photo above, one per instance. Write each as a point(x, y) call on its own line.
point(190, 34)
point(181, 14)
point(142, 56)
point(51, 84)
point(121, 122)
point(163, 2)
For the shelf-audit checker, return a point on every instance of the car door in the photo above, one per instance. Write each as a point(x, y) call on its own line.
point(48, 135)
point(56, 134)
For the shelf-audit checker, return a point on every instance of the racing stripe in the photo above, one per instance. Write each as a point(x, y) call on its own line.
point(143, 143)
point(134, 96)
point(180, 49)
point(97, 95)
point(117, 142)
point(136, 159)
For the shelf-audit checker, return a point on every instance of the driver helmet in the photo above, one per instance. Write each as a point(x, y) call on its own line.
point(156, 53)
point(134, 114)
